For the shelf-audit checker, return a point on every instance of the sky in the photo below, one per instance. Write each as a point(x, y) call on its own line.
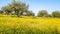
point(37, 5)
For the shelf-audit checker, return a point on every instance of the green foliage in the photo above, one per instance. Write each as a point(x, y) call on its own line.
point(56, 14)
point(42, 13)
point(1, 12)
point(30, 13)
point(16, 7)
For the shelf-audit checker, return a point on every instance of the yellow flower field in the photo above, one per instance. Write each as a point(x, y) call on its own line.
point(29, 25)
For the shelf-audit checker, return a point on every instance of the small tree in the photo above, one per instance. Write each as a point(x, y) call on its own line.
point(42, 13)
point(56, 14)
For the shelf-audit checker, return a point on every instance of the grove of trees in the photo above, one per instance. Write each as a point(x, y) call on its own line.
point(44, 13)
point(19, 8)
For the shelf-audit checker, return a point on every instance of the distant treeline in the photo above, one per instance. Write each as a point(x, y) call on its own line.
point(19, 8)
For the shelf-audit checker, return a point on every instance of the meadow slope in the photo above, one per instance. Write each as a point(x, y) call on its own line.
point(29, 25)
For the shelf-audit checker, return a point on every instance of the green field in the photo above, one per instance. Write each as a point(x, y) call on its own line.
point(29, 25)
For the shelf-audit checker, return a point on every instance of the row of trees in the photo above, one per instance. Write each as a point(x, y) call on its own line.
point(44, 13)
point(20, 8)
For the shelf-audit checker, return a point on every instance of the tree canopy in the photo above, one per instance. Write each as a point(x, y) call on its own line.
point(42, 13)
point(56, 14)
point(16, 7)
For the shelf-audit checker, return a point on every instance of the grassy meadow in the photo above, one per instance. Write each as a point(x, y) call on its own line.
point(29, 25)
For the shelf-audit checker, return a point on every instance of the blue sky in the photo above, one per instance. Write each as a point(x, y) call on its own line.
point(36, 5)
